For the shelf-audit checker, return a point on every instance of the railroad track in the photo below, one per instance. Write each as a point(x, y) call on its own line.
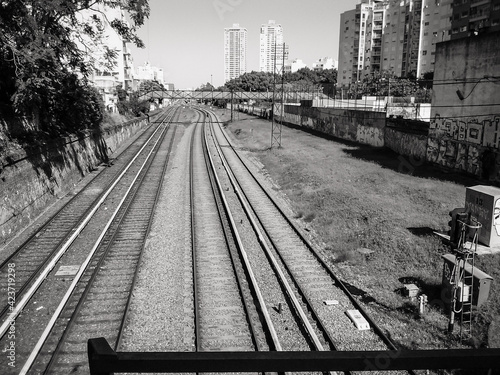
point(257, 283)
point(220, 316)
point(119, 190)
point(317, 299)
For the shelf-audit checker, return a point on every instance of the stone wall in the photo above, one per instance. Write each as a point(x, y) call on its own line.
point(33, 178)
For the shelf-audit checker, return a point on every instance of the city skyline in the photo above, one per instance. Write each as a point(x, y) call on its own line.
point(192, 53)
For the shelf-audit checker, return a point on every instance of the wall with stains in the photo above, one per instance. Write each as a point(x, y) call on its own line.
point(365, 127)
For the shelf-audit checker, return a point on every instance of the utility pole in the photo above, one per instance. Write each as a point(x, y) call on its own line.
point(282, 89)
point(231, 105)
point(275, 130)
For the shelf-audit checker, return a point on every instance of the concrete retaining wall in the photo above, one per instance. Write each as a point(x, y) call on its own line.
point(364, 127)
point(31, 179)
point(407, 137)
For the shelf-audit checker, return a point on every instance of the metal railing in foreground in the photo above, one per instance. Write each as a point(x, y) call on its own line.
point(104, 360)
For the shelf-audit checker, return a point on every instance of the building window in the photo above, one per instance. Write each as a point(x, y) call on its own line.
point(463, 28)
point(424, 53)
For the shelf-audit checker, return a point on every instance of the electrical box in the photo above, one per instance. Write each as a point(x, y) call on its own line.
point(480, 280)
point(483, 202)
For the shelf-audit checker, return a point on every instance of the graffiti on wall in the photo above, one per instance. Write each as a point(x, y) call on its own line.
point(370, 136)
point(484, 131)
point(452, 154)
point(406, 143)
point(461, 143)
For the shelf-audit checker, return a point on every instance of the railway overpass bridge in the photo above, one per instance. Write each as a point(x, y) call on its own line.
point(294, 96)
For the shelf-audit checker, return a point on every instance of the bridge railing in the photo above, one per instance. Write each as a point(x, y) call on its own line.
point(104, 360)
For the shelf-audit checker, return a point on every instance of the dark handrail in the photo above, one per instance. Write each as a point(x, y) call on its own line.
point(103, 360)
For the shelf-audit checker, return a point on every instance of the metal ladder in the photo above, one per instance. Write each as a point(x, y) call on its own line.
point(463, 274)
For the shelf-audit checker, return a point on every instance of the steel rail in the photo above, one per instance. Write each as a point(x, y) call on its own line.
point(193, 241)
point(229, 233)
point(125, 210)
point(248, 210)
point(303, 295)
point(84, 265)
point(253, 281)
point(148, 229)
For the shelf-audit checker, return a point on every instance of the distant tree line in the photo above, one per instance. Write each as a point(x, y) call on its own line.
point(304, 79)
point(385, 83)
point(382, 83)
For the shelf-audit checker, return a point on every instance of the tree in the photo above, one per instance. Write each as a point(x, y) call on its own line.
point(383, 83)
point(206, 87)
point(253, 81)
point(43, 52)
point(304, 79)
point(148, 85)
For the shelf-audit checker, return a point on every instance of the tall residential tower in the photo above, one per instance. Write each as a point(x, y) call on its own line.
point(393, 35)
point(271, 47)
point(235, 52)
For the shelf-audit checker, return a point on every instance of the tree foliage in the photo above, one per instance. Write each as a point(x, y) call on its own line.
point(253, 81)
point(206, 87)
point(149, 85)
point(45, 59)
point(304, 79)
point(385, 83)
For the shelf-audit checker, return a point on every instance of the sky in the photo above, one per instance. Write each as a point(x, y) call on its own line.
point(186, 37)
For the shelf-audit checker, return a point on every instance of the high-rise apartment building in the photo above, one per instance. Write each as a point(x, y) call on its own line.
point(353, 29)
point(393, 35)
point(235, 51)
point(471, 17)
point(272, 50)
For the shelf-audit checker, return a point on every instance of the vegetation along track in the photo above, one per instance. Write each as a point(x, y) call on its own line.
point(121, 245)
point(314, 292)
